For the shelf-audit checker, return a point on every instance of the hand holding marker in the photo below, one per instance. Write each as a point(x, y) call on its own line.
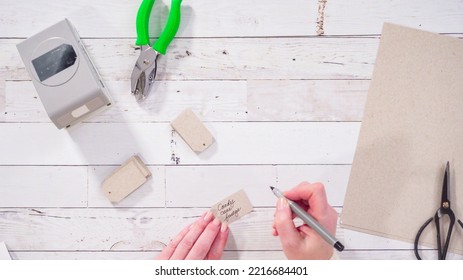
point(306, 189)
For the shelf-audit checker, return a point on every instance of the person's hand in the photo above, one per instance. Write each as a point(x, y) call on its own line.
point(204, 239)
point(303, 242)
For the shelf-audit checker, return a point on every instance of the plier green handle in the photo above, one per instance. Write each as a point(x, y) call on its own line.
point(144, 71)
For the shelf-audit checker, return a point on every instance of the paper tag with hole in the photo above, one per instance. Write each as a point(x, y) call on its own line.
point(193, 131)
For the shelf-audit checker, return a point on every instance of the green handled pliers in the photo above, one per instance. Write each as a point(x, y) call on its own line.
point(144, 71)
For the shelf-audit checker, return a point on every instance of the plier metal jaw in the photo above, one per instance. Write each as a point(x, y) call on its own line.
point(144, 71)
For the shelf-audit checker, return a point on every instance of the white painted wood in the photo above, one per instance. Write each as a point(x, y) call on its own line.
point(191, 186)
point(227, 58)
point(306, 100)
point(208, 18)
point(194, 186)
point(231, 62)
point(96, 255)
point(43, 186)
point(253, 100)
point(2, 96)
point(151, 194)
point(334, 178)
point(228, 255)
point(236, 143)
point(145, 229)
point(367, 17)
point(215, 100)
point(205, 18)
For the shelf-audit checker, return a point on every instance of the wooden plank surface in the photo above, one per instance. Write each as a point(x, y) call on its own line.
point(227, 58)
point(367, 17)
point(80, 186)
point(212, 183)
point(2, 96)
point(209, 18)
point(253, 100)
point(144, 229)
point(43, 186)
point(236, 143)
point(204, 18)
point(228, 255)
point(283, 104)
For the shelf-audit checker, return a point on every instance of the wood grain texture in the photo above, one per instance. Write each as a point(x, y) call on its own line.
point(208, 18)
point(214, 100)
point(220, 181)
point(244, 71)
point(228, 255)
point(306, 100)
point(80, 186)
point(2, 96)
point(367, 17)
point(236, 143)
point(145, 229)
point(204, 18)
point(216, 182)
point(227, 58)
point(253, 100)
point(43, 186)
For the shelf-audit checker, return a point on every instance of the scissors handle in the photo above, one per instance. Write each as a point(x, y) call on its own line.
point(442, 247)
point(418, 235)
point(442, 252)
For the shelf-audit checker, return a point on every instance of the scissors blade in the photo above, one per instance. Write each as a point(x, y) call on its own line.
point(445, 202)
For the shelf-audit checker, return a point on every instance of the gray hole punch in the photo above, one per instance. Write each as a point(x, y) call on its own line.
point(63, 74)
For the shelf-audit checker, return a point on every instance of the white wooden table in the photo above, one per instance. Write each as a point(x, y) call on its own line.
point(284, 105)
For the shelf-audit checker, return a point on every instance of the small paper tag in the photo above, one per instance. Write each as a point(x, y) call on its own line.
point(192, 130)
point(233, 207)
point(4, 255)
point(126, 179)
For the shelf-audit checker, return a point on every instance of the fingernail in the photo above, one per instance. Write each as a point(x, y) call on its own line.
point(208, 216)
point(216, 222)
point(282, 204)
point(224, 227)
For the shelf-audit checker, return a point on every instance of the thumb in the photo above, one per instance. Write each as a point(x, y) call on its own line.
point(289, 235)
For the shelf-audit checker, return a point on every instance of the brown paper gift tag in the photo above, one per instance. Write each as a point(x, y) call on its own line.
point(192, 130)
point(233, 207)
point(126, 179)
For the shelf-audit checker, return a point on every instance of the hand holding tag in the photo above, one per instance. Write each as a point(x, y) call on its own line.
point(204, 239)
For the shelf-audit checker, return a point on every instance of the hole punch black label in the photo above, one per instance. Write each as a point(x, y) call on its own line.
point(54, 61)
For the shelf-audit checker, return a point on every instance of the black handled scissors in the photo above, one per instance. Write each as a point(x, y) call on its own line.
point(444, 209)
